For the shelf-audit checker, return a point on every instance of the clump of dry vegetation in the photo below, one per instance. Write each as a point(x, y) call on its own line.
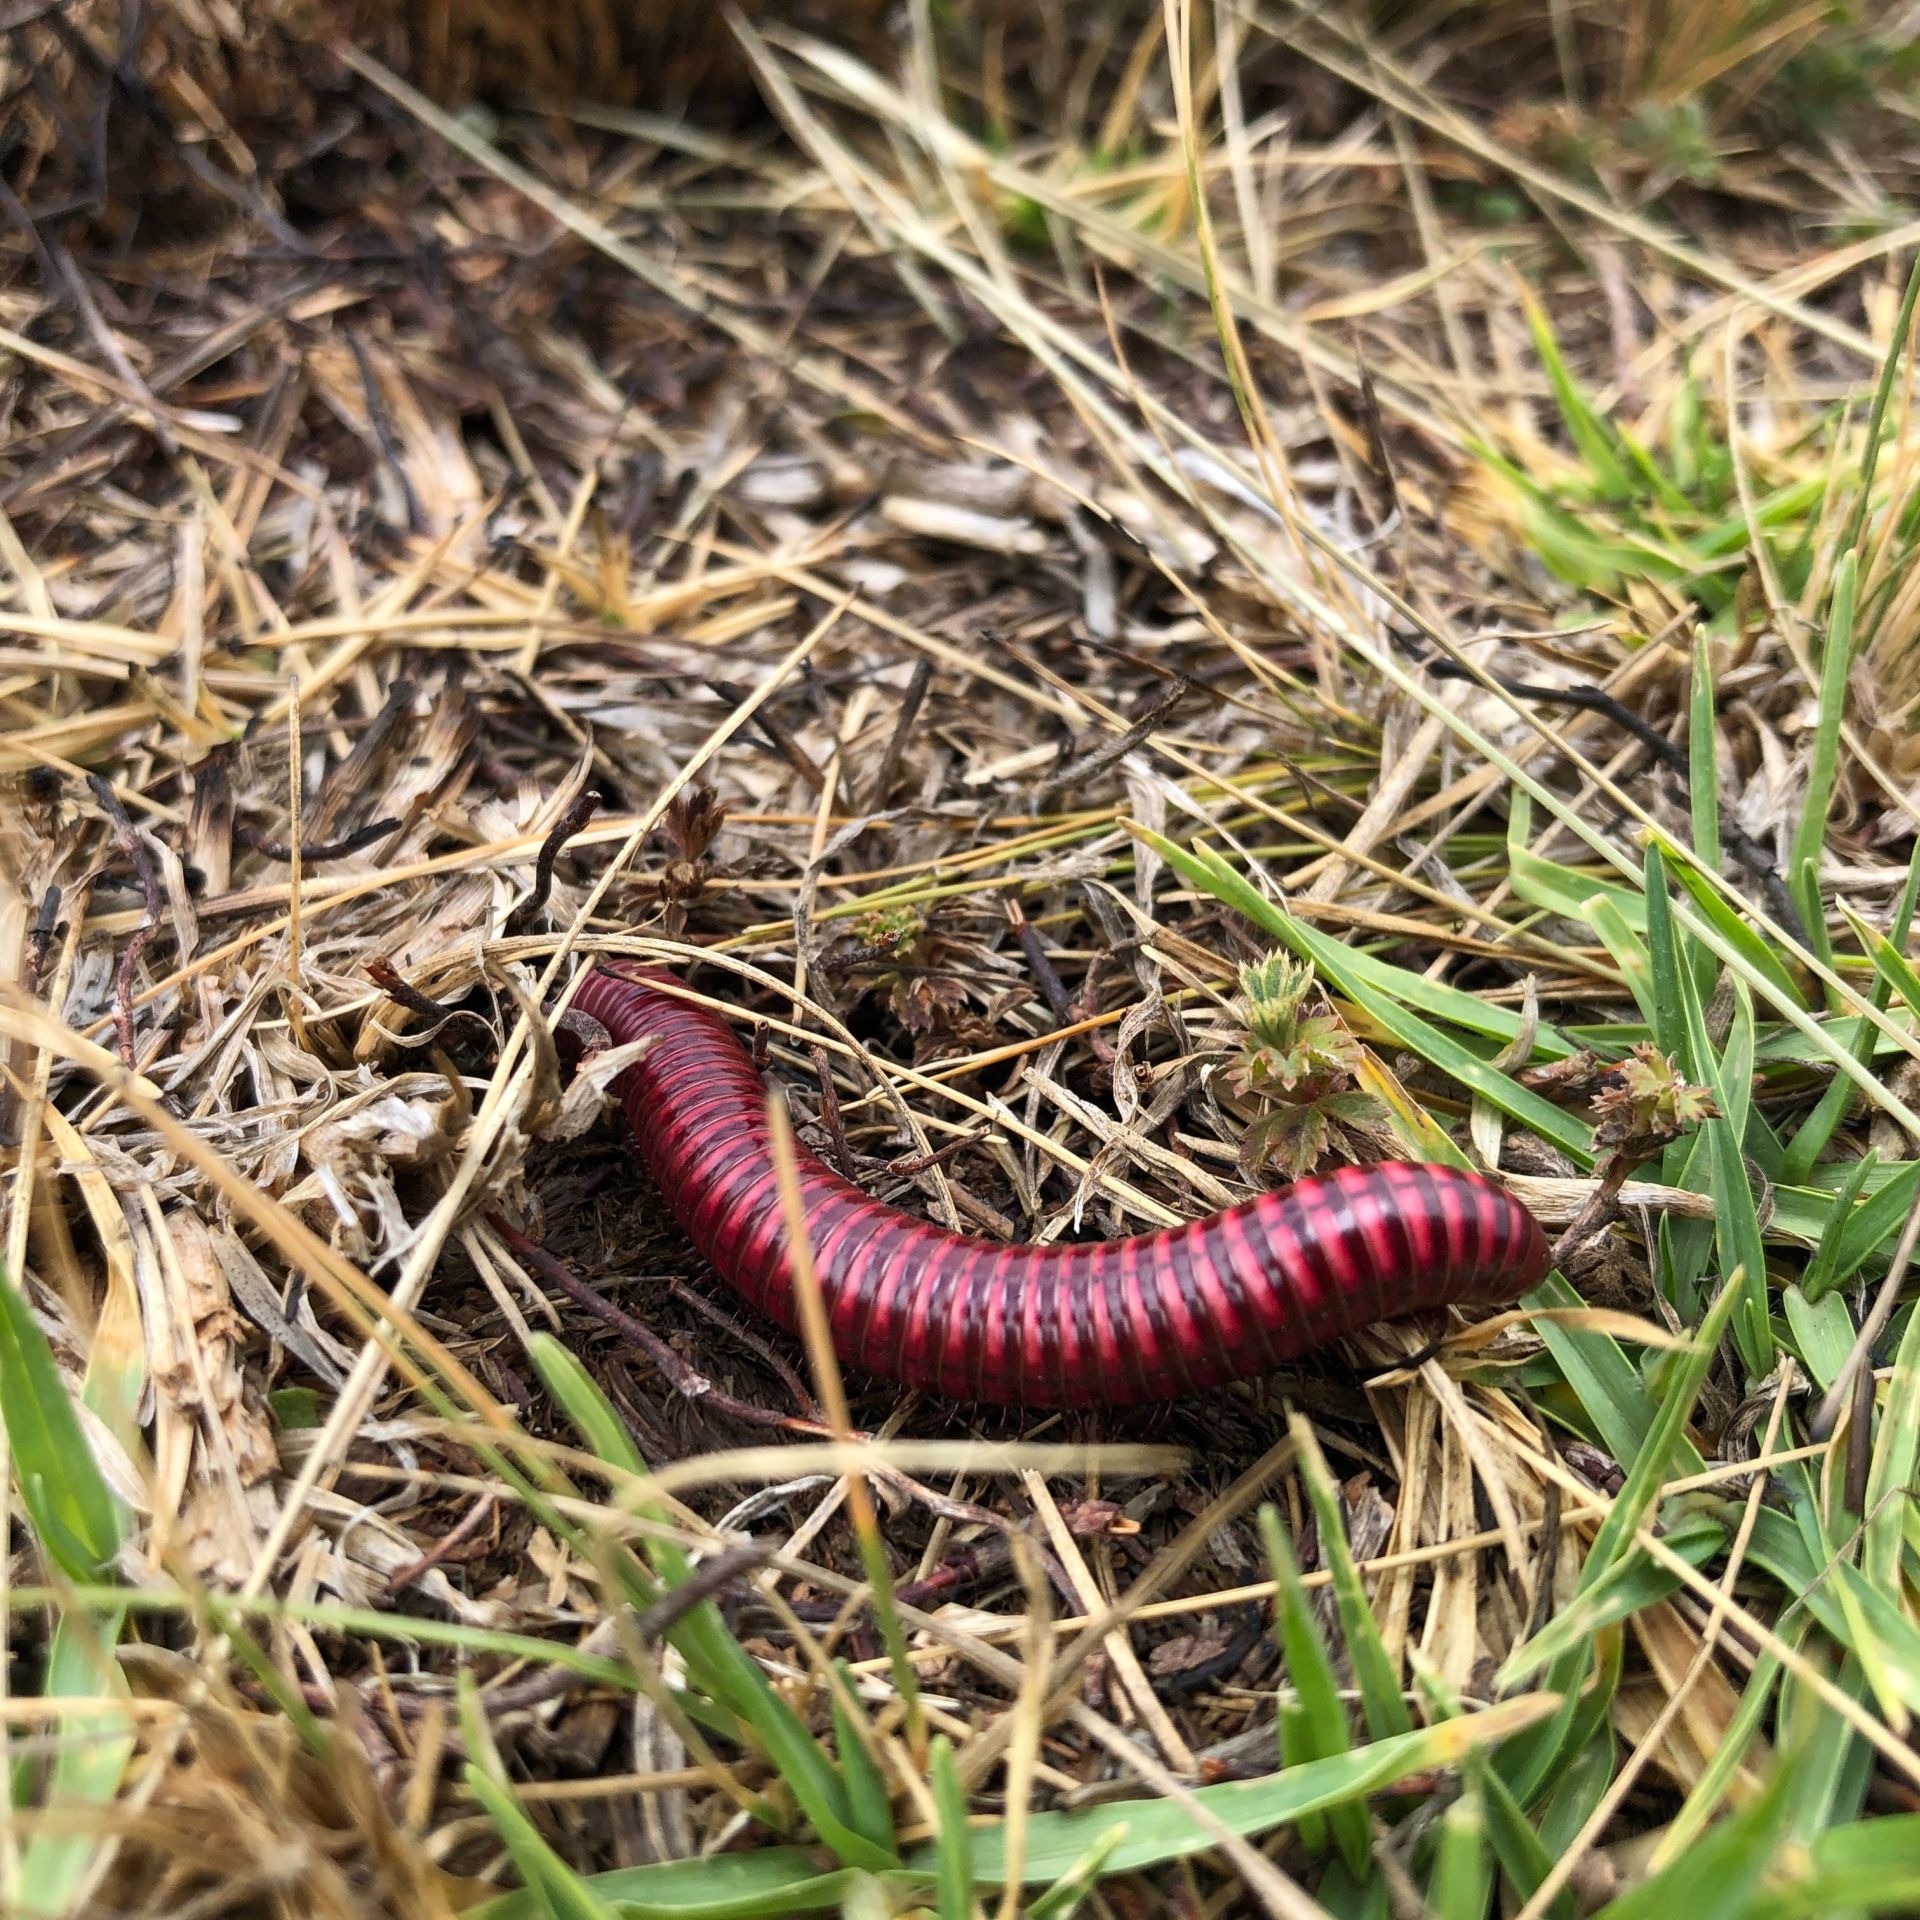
point(1153, 596)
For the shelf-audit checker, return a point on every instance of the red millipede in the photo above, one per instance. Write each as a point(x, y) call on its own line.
point(1107, 1323)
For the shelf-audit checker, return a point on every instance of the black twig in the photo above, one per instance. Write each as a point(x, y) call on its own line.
point(403, 993)
point(717, 1315)
point(40, 941)
point(924, 1162)
point(1051, 985)
point(911, 702)
point(1734, 837)
point(838, 1150)
point(311, 855)
point(576, 816)
point(685, 1380)
point(135, 849)
point(776, 736)
point(1122, 744)
point(1245, 1636)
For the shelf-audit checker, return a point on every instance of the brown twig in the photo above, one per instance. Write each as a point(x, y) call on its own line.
point(763, 1350)
point(926, 1162)
point(837, 1149)
point(911, 702)
point(1075, 772)
point(46, 923)
point(251, 836)
point(402, 992)
point(463, 1529)
point(1059, 1000)
point(970, 1564)
point(685, 1380)
point(777, 737)
point(135, 849)
point(576, 816)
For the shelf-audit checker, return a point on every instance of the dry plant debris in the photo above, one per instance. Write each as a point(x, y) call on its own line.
point(1149, 594)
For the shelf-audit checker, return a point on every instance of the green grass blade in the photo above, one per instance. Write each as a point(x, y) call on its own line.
point(1889, 962)
point(1343, 1897)
point(1629, 1586)
point(1135, 1835)
point(767, 1884)
point(1718, 1877)
point(1068, 1894)
point(715, 1660)
point(1822, 1333)
point(1866, 1228)
point(1703, 768)
point(1461, 1884)
point(1336, 963)
point(1831, 1763)
point(1316, 1728)
point(1603, 1380)
point(1557, 889)
point(869, 1806)
point(1650, 1468)
point(1864, 1867)
point(1891, 1473)
point(591, 1412)
point(1595, 440)
point(1668, 1015)
point(76, 1518)
point(1586, 1680)
point(558, 1893)
point(89, 1765)
point(1163, 1830)
point(1627, 951)
point(1737, 1225)
point(1704, 1800)
point(1752, 951)
point(1814, 1133)
point(1877, 413)
point(1522, 1854)
point(1208, 872)
point(1582, 1787)
point(1381, 1701)
point(1821, 1276)
point(1835, 663)
point(953, 1858)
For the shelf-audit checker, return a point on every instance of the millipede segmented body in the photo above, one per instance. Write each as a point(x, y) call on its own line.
point(1101, 1324)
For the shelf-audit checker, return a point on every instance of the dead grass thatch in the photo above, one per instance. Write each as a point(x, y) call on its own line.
point(855, 503)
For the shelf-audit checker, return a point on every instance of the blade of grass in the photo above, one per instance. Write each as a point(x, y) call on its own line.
point(1381, 1701)
point(89, 1763)
point(1737, 1226)
point(1317, 1727)
point(1069, 1893)
point(1890, 1476)
point(1203, 868)
point(869, 1807)
point(1822, 1271)
point(1811, 1138)
point(1836, 662)
point(1337, 964)
point(953, 1870)
point(715, 1659)
point(76, 1518)
point(556, 1891)
point(833, 1397)
point(1850, 541)
point(1649, 1470)
point(1461, 1884)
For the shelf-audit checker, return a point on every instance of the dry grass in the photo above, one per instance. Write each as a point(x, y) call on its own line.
point(922, 477)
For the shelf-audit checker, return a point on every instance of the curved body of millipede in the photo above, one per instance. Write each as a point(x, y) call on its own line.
point(1100, 1324)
